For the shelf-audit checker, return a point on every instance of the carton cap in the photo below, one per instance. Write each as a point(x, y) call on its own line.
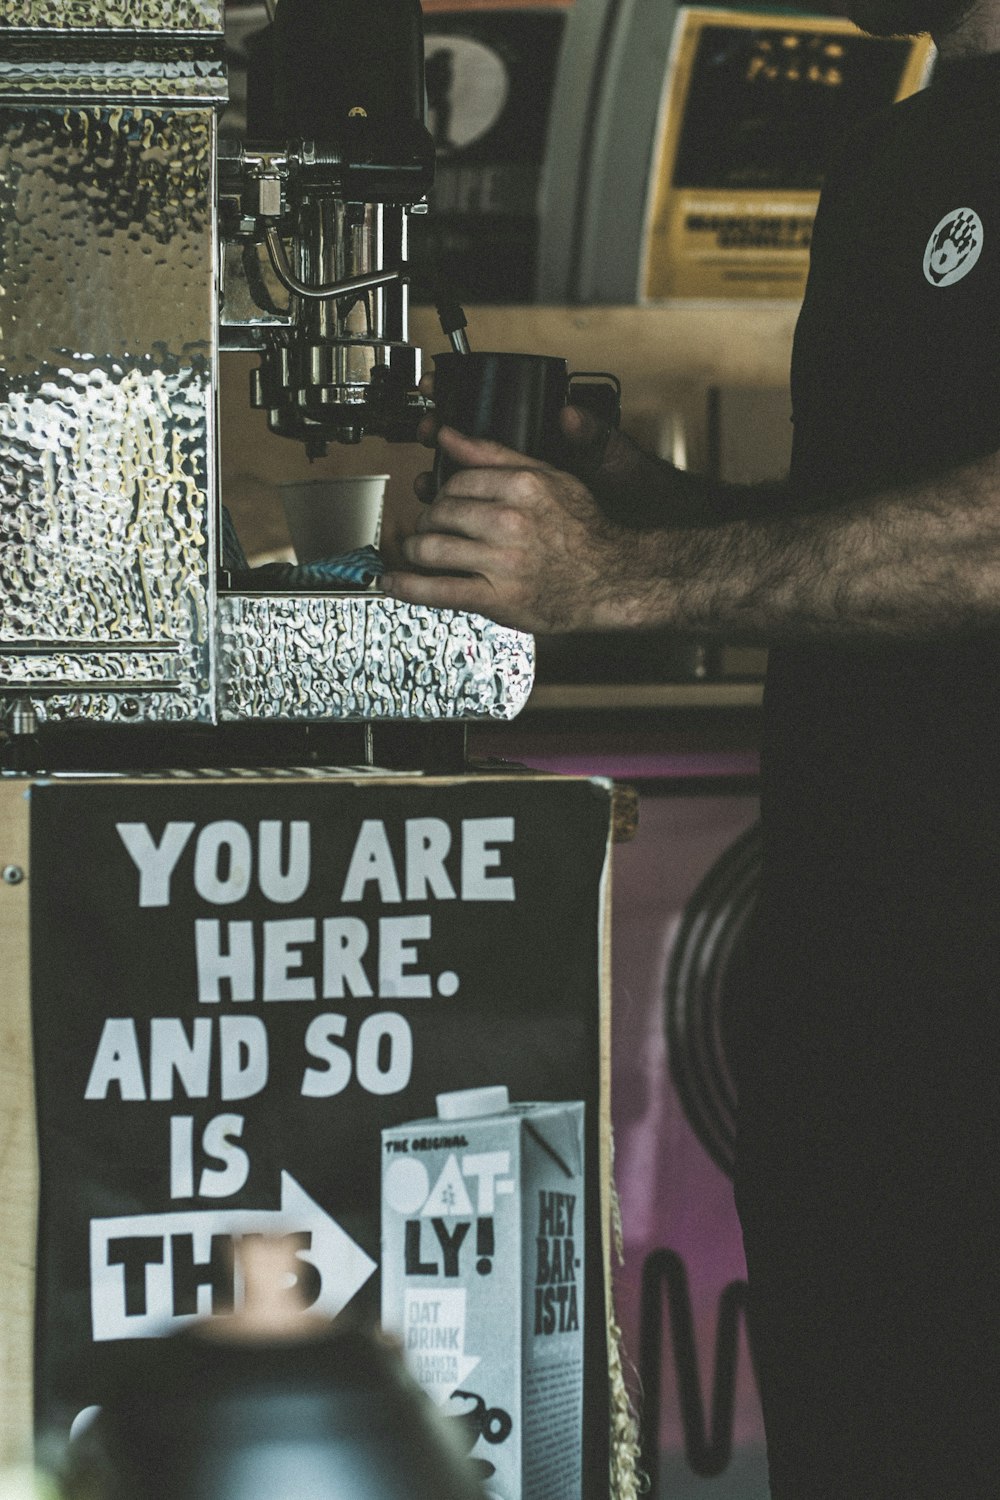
point(464, 1104)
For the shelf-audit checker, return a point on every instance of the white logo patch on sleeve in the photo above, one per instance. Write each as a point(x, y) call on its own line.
point(954, 247)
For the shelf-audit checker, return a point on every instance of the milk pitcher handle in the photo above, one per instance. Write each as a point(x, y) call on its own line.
point(598, 392)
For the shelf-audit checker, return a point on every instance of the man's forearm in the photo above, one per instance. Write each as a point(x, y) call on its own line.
point(525, 544)
point(910, 562)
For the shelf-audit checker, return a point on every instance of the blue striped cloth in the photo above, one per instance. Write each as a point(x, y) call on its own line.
point(356, 569)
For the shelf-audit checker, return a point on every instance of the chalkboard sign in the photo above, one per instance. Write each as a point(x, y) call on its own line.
point(238, 985)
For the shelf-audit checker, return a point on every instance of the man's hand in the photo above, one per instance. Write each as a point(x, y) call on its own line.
point(518, 541)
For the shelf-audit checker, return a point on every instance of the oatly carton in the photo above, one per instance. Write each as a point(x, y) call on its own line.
point(482, 1279)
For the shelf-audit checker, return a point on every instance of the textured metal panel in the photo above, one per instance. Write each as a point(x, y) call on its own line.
point(96, 15)
point(103, 531)
point(123, 63)
point(358, 656)
point(183, 76)
point(106, 237)
point(132, 703)
point(106, 407)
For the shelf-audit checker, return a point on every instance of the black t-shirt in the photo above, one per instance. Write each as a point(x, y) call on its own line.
point(879, 1005)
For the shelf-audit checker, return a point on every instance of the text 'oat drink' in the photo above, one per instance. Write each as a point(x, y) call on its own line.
point(482, 1278)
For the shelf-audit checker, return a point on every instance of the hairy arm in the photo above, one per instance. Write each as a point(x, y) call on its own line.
point(911, 562)
point(529, 546)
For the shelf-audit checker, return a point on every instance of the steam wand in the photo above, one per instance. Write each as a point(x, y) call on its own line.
point(452, 319)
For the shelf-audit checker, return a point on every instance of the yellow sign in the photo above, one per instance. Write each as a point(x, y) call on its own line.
point(753, 102)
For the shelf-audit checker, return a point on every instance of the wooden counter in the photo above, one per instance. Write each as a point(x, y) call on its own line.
point(18, 1157)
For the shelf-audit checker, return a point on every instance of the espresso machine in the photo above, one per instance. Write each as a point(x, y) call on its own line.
point(136, 249)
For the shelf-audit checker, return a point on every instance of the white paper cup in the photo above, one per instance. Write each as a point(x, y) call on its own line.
point(328, 517)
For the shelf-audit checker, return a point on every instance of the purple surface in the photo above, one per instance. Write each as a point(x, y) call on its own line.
point(673, 1196)
point(622, 751)
point(645, 765)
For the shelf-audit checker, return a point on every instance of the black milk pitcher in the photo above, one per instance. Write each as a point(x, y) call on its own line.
point(515, 399)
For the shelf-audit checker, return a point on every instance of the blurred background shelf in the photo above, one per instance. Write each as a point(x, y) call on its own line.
point(614, 697)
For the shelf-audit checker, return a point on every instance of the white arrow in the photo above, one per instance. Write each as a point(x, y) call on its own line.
point(342, 1265)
